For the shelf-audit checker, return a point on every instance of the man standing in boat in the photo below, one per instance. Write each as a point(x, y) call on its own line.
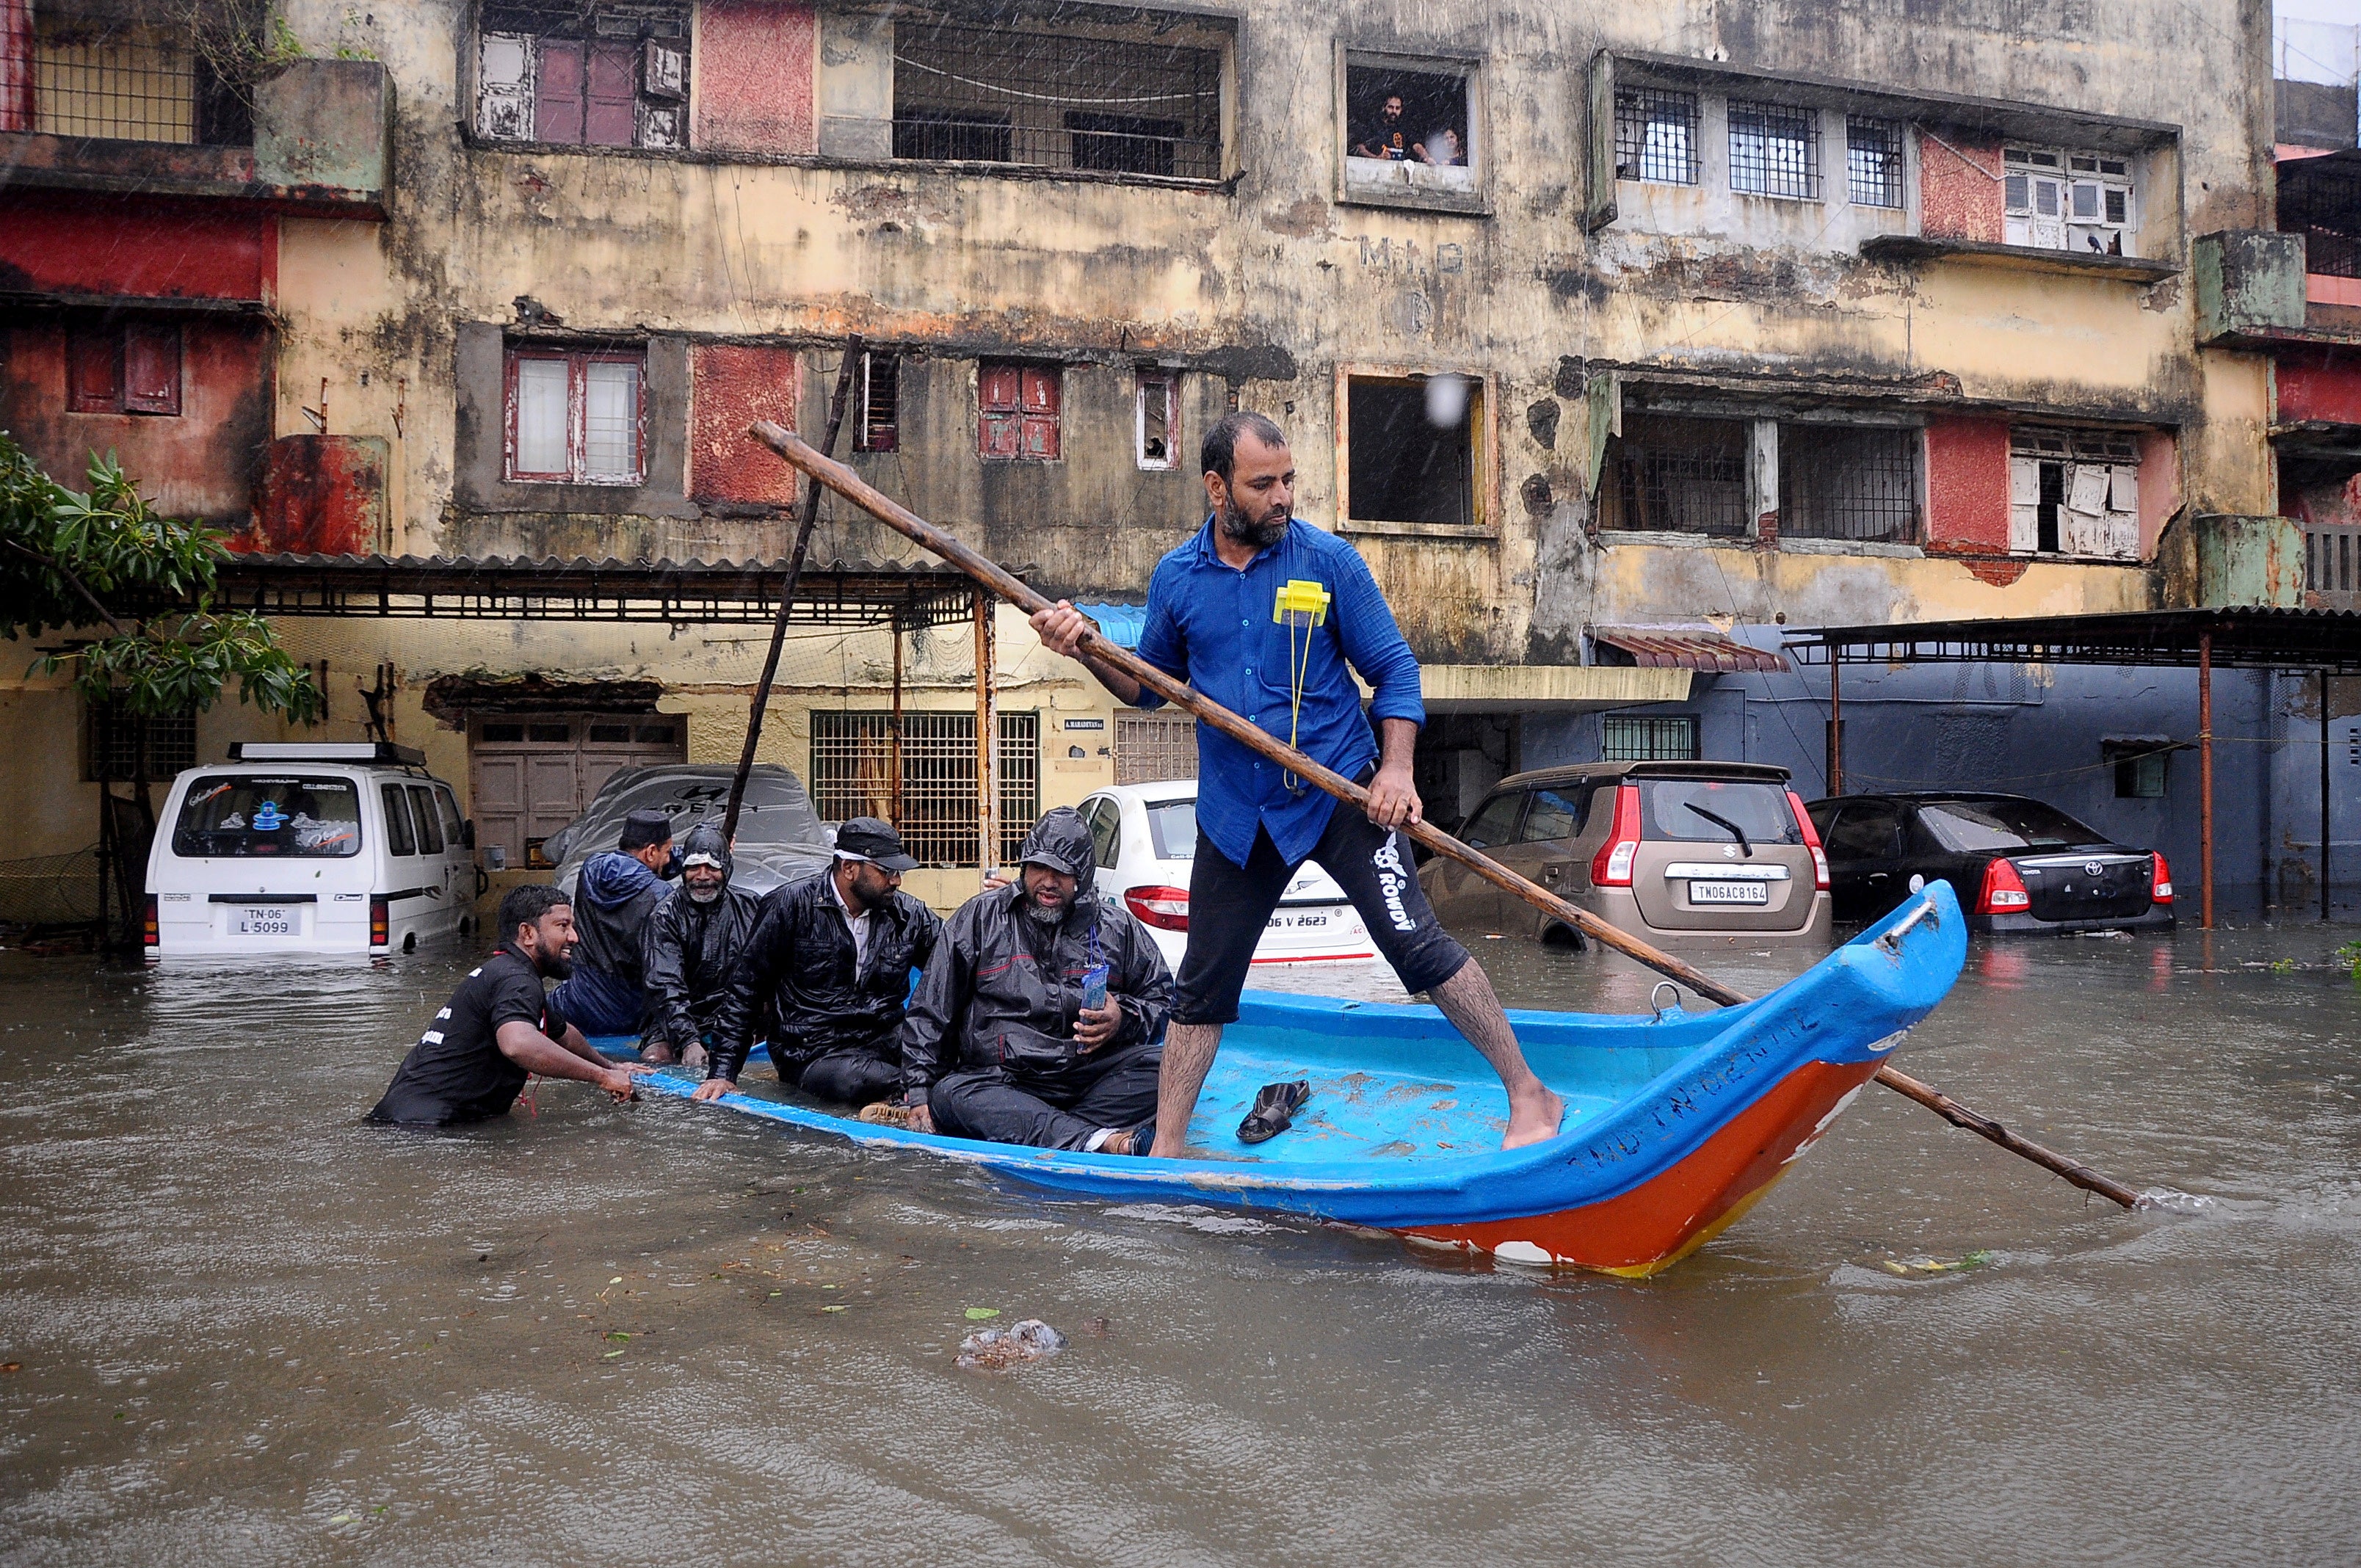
point(1268, 615)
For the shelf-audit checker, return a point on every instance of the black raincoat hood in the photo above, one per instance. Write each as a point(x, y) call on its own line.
point(1061, 841)
point(706, 839)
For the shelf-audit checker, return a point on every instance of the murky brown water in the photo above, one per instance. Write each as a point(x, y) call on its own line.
point(248, 1329)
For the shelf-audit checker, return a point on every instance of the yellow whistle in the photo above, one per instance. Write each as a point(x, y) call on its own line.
point(1300, 597)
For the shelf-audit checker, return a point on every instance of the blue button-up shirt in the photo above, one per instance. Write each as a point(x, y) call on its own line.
point(1214, 626)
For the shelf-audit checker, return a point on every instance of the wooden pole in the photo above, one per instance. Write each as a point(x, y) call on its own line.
point(1836, 721)
point(2205, 773)
point(787, 599)
point(987, 792)
point(2324, 824)
point(903, 521)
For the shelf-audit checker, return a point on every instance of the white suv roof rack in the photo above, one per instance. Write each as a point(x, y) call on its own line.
point(325, 752)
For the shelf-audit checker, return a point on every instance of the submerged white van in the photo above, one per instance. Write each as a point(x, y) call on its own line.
point(312, 846)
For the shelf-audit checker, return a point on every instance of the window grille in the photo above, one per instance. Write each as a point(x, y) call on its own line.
point(1874, 163)
point(124, 83)
point(2320, 199)
point(997, 96)
point(1151, 748)
point(126, 745)
point(881, 404)
point(1656, 135)
point(1685, 476)
point(2328, 561)
point(852, 774)
point(1840, 482)
point(1653, 739)
point(1774, 149)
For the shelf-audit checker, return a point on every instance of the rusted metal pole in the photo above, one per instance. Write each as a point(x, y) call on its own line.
point(787, 599)
point(2325, 826)
point(905, 521)
point(2205, 774)
point(893, 732)
point(987, 792)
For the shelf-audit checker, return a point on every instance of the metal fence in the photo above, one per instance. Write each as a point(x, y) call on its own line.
point(995, 95)
point(853, 771)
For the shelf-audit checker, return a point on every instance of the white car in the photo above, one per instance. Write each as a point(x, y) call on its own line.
point(309, 847)
point(1145, 836)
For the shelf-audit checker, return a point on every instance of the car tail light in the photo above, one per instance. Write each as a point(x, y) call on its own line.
point(1611, 867)
point(2160, 886)
point(1165, 908)
point(2003, 891)
point(1811, 842)
point(149, 934)
point(380, 922)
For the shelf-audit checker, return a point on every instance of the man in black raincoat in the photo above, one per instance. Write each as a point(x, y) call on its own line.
point(828, 965)
point(614, 897)
point(693, 945)
point(1001, 1043)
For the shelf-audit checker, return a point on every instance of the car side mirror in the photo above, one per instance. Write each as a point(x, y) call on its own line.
point(467, 834)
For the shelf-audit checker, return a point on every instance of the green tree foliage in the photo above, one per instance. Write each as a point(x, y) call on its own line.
point(106, 562)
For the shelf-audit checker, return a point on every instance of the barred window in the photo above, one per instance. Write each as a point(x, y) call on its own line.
point(122, 80)
point(1671, 738)
point(1874, 163)
point(1057, 101)
point(1656, 135)
point(853, 771)
point(1848, 482)
point(127, 745)
point(1685, 476)
point(1151, 747)
point(1774, 149)
point(881, 404)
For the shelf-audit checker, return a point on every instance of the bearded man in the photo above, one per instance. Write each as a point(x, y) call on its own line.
point(498, 1028)
point(828, 969)
point(694, 941)
point(1269, 617)
point(1039, 1019)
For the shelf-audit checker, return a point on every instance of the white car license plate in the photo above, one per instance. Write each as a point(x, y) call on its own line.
point(1729, 893)
point(262, 920)
point(1287, 920)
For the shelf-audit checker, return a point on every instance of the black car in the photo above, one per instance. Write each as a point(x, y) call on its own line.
point(2016, 863)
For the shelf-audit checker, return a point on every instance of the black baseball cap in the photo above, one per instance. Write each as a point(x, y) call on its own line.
point(868, 838)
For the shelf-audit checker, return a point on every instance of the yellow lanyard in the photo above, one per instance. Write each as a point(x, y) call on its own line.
point(1299, 598)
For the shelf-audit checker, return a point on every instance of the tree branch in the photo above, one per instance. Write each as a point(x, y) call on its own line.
point(89, 599)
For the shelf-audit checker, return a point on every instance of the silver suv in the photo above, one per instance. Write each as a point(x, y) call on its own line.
point(1668, 851)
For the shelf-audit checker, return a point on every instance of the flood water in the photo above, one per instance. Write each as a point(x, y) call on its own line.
point(239, 1326)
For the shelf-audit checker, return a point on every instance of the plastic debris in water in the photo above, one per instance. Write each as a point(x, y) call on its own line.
point(1923, 1268)
point(997, 1350)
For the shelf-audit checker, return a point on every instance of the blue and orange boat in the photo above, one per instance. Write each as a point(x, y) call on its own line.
point(1676, 1122)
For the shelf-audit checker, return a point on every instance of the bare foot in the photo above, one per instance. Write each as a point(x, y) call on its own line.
point(1534, 1116)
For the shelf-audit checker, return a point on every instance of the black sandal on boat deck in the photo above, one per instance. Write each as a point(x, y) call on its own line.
point(1274, 1111)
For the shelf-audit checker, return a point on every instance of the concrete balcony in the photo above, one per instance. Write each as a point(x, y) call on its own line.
point(322, 147)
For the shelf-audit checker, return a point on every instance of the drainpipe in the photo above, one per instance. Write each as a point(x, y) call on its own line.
point(2323, 796)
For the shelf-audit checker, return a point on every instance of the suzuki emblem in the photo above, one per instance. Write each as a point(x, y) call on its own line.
point(2090, 868)
point(1730, 851)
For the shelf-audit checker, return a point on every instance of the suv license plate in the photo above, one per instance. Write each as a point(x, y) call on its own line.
point(262, 920)
point(1729, 893)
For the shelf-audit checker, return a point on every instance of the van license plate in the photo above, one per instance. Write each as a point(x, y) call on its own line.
point(262, 920)
point(1729, 893)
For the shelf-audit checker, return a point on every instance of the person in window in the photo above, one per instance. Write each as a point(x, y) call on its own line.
point(618, 892)
point(694, 941)
point(1384, 138)
point(1442, 148)
point(828, 966)
point(1040, 1019)
point(1211, 622)
point(498, 1028)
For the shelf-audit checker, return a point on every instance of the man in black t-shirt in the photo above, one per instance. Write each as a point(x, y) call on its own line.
point(499, 1028)
point(1386, 136)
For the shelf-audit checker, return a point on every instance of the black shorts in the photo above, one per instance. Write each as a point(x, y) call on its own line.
point(1230, 905)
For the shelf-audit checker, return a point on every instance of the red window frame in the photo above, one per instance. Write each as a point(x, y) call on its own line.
point(577, 363)
point(1018, 411)
point(586, 91)
point(123, 367)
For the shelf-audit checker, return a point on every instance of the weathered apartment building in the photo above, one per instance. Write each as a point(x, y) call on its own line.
point(1635, 336)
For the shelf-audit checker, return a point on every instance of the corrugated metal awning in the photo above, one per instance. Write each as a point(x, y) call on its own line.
point(1667, 648)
